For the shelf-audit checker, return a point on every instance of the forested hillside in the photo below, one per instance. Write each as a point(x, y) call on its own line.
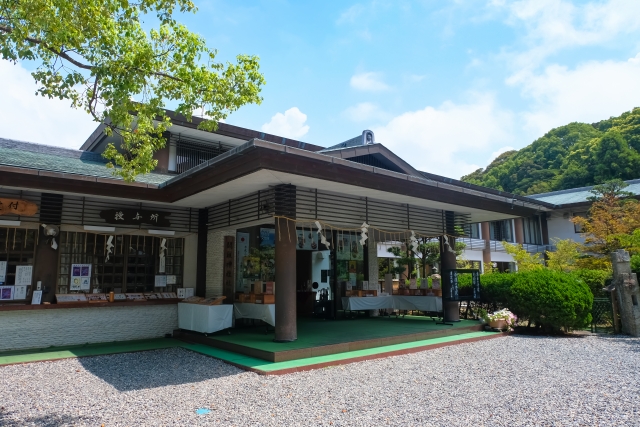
point(575, 155)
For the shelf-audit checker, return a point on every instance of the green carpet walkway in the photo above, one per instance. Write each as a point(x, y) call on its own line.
point(242, 361)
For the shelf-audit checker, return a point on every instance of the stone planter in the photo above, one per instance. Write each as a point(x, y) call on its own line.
point(498, 324)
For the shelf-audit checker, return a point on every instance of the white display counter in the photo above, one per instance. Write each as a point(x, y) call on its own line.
point(204, 318)
point(264, 312)
point(396, 302)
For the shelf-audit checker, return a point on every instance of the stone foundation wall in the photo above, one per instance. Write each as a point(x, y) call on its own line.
point(25, 329)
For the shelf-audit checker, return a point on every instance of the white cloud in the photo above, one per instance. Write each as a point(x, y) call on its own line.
point(291, 124)
point(350, 15)
point(499, 151)
point(365, 112)
point(553, 25)
point(440, 139)
point(369, 82)
point(28, 117)
point(588, 93)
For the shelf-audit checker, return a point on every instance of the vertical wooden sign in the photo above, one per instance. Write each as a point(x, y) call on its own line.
point(228, 269)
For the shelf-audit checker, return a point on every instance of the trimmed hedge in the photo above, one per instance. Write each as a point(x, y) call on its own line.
point(594, 279)
point(551, 300)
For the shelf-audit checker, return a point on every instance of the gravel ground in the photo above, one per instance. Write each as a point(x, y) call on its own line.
point(511, 381)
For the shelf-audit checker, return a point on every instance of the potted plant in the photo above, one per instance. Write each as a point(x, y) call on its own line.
point(502, 319)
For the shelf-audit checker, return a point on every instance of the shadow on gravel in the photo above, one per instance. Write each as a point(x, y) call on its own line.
point(8, 419)
point(157, 368)
point(632, 342)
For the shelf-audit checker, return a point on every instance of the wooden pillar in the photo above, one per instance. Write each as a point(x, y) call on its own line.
point(286, 328)
point(518, 226)
point(285, 234)
point(486, 236)
point(201, 257)
point(448, 262)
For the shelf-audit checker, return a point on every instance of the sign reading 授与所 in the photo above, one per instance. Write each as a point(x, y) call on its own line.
point(136, 217)
point(17, 207)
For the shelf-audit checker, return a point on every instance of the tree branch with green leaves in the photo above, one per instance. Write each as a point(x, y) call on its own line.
point(97, 55)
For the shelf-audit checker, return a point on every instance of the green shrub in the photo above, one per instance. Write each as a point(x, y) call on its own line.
point(595, 279)
point(551, 300)
point(635, 264)
point(496, 287)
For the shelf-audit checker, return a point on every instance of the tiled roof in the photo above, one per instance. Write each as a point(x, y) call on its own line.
point(353, 142)
point(55, 159)
point(579, 195)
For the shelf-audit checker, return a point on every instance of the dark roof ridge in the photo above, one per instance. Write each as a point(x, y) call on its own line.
point(575, 190)
point(52, 150)
point(463, 184)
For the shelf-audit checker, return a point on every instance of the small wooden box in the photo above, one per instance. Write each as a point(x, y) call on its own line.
point(265, 299)
point(248, 298)
point(348, 293)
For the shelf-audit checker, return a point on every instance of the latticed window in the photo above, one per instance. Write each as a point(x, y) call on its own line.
point(17, 247)
point(129, 266)
point(501, 230)
point(532, 233)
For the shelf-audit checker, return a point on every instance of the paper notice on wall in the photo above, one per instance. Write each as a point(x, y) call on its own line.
point(20, 292)
point(172, 279)
point(365, 285)
point(36, 298)
point(3, 272)
point(413, 284)
point(161, 281)
point(163, 263)
point(80, 277)
point(6, 293)
point(23, 275)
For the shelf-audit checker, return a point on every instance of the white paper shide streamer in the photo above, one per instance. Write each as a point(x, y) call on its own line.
point(446, 242)
point(323, 239)
point(109, 248)
point(363, 234)
point(163, 248)
point(414, 242)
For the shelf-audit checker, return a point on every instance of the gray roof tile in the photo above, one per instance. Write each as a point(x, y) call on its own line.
point(55, 159)
point(579, 195)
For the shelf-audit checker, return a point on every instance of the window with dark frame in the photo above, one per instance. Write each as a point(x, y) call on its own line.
point(130, 266)
point(17, 247)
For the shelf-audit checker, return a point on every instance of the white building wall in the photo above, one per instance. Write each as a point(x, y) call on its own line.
point(215, 259)
point(25, 329)
point(562, 228)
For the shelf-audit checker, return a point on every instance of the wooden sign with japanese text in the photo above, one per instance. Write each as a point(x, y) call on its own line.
point(17, 207)
point(228, 268)
point(136, 217)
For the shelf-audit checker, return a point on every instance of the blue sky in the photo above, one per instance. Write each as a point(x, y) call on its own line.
point(447, 85)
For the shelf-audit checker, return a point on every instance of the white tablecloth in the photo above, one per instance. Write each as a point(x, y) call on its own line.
point(264, 312)
point(367, 303)
point(204, 318)
point(422, 303)
point(396, 302)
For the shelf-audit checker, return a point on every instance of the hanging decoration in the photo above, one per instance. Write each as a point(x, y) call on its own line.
point(163, 249)
point(109, 248)
point(364, 230)
point(447, 244)
point(323, 239)
point(414, 242)
point(363, 235)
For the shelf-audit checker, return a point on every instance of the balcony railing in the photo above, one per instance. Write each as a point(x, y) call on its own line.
point(496, 246)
